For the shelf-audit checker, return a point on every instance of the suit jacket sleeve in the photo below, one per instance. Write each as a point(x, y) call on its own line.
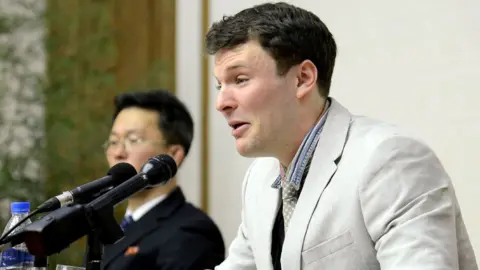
point(240, 253)
point(409, 207)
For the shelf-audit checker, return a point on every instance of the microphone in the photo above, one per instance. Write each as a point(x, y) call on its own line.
point(57, 230)
point(53, 232)
point(85, 193)
point(82, 194)
point(156, 172)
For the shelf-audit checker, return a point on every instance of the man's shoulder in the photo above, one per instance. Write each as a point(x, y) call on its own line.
point(373, 144)
point(188, 228)
point(371, 133)
point(363, 126)
point(189, 221)
point(194, 216)
point(369, 130)
point(198, 225)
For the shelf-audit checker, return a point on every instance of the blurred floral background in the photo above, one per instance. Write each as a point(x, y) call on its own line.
point(61, 63)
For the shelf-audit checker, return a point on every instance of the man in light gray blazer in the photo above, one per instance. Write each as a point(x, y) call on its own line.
point(328, 190)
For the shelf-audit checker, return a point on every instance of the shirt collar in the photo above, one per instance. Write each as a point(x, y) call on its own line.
point(294, 172)
point(144, 208)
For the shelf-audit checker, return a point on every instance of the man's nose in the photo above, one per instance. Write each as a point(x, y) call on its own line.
point(120, 152)
point(225, 102)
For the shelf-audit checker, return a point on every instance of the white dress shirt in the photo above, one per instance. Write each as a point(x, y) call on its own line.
point(144, 208)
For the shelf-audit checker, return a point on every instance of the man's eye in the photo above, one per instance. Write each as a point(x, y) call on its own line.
point(112, 143)
point(240, 80)
point(218, 86)
point(134, 140)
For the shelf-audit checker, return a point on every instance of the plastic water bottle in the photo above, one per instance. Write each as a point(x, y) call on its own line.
point(17, 257)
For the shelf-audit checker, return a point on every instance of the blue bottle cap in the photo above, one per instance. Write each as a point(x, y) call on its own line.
point(20, 207)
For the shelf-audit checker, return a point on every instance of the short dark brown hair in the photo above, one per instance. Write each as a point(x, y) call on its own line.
point(288, 33)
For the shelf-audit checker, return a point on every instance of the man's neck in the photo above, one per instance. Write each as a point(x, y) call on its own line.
point(147, 195)
point(304, 127)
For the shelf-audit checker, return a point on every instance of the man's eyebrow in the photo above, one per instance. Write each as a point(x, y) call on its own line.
point(232, 67)
point(236, 66)
point(128, 132)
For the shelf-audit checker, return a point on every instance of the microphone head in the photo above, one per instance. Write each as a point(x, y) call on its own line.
point(159, 169)
point(121, 172)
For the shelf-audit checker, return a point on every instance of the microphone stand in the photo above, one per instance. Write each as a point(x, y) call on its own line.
point(104, 230)
point(100, 216)
point(40, 262)
point(93, 251)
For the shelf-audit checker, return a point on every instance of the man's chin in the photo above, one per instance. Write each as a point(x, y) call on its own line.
point(246, 148)
point(243, 151)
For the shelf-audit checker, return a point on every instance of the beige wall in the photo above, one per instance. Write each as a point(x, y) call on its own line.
point(188, 88)
point(413, 63)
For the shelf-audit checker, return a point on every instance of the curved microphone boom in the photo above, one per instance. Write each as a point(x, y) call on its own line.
point(89, 191)
point(156, 172)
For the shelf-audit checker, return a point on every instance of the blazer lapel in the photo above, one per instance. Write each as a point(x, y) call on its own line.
point(270, 203)
point(145, 225)
point(323, 166)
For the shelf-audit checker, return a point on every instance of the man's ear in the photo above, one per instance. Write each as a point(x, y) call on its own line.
point(177, 153)
point(306, 78)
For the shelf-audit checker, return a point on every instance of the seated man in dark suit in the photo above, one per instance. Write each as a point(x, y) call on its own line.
point(162, 230)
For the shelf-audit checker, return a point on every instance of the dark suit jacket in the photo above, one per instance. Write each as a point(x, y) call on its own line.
point(173, 235)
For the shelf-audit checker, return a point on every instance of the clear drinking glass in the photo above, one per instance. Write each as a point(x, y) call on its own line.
point(69, 267)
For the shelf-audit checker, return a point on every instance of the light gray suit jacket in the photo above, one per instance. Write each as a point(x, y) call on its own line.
point(374, 198)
